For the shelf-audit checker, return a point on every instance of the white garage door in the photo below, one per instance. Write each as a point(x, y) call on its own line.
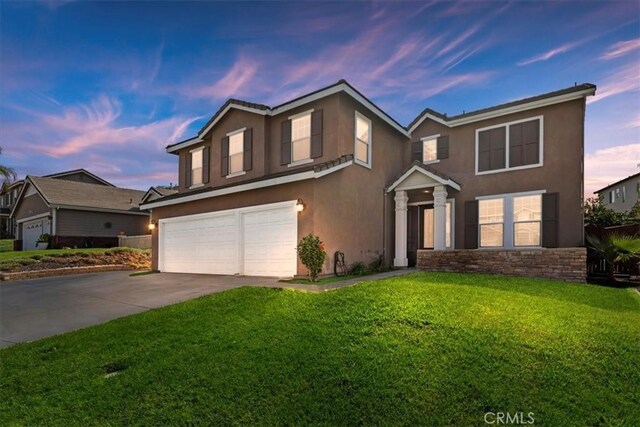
point(255, 241)
point(30, 232)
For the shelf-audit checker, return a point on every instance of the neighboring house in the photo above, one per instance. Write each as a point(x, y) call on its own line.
point(8, 196)
point(78, 209)
point(154, 193)
point(621, 195)
point(255, 179)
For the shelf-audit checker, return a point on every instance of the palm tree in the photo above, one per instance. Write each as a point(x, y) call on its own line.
point(6, 172)
point(615, 249)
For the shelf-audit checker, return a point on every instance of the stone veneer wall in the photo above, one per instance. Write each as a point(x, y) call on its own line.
point(551, 263)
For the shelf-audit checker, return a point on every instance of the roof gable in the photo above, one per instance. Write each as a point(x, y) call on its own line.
point(68, 174)
point(340, 86)
point(550, 98)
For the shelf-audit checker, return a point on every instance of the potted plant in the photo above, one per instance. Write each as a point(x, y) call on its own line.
point(43, 241)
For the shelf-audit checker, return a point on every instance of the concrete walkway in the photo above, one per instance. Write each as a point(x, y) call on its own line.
point(39, 308)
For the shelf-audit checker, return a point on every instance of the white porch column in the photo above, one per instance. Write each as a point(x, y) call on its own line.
point(439, 218)
point(401, 200)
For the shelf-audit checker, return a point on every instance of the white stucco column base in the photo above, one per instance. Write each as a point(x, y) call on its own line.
point(439, 218)
point(401, 200)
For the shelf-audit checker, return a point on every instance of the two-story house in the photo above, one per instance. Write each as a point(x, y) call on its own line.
point(257, 178)
point(622, 195)
point(8, 196)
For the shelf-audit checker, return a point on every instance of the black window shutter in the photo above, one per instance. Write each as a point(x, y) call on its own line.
point(443, 147)
point(205, 164)
point(224, 158)
point(550, 217)
point(247, 151)
point(471, 224)
point(416, 151)
point(316, 134)
point(285, 146)
point(187, 170)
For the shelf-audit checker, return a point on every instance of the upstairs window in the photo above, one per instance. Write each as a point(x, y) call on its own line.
point(236, 149)
point(612, 196)
point(363, 140)
point(514, 145)
point(196, 167)
point(301, 137)
point(429, 150)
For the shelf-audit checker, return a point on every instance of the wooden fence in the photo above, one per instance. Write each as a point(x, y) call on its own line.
point(140, 242)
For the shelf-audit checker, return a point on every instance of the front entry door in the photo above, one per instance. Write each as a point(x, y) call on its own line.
point(419, 231)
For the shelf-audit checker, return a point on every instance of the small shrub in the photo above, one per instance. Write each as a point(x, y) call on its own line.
point(312, 254)
point(26, 261)
point(84, 255)
point(358, 268)
point(10, 265)
point(36, 257)
point(44, 237)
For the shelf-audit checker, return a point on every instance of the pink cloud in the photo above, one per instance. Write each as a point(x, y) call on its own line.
point(234, 82)
point(551, 53)
point(623, 80)
point(608, 165)
point(90, 126)
point(621, 48)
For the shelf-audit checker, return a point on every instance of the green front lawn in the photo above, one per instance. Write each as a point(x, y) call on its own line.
point(16, 255)
point(435, 349)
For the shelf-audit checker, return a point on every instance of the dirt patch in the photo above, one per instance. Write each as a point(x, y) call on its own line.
point(131, 258)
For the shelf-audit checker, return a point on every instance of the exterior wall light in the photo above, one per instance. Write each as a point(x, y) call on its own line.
point(152, 225)
point(299, 206)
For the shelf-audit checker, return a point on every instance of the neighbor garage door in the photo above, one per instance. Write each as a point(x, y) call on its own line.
point(31, 231)
point(254, 241)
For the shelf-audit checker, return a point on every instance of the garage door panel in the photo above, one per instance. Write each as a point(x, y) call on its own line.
point(269, 242)
point(246, 241)
point(201, 245)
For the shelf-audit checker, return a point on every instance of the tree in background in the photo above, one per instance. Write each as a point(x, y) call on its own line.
point(7, 173)
point(598, 215)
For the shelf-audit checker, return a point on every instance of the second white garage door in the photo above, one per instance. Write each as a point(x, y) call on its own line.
point(255, 241)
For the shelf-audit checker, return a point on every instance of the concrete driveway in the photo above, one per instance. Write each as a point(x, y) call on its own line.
point(38, 308)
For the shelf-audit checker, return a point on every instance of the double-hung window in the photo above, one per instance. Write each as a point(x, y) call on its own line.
point(236, 150)
point(429, 150)
point(301, 138)
point(363, 140)
point(196, 166)
point(527, 220)
point(510, 221)
point(612, 196)
point(491, 222)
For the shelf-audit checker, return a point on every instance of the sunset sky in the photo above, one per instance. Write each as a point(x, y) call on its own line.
point(107, 85)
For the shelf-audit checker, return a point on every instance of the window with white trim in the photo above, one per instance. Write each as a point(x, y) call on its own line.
point(429, 150)
point(301, 138)
point(527, 220)
point(196, 166)
point(491, 222)
point(236, 152)
point(624, 193)
point(612, 196)
point(508, 146)
point(363, 140)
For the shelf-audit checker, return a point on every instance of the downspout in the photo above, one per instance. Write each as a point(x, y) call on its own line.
point(54, 220)
point(384, 225)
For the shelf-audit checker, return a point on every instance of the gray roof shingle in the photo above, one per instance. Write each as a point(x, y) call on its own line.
point(83, 195)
